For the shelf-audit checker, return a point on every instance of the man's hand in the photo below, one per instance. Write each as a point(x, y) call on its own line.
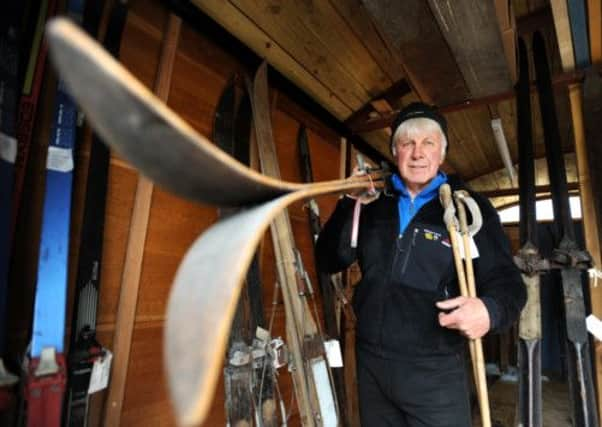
point(365, 196)
point(469, 316)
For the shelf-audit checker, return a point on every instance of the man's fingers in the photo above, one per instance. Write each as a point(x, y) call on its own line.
point(450, 303)
point(449, 320)
point(470, 316)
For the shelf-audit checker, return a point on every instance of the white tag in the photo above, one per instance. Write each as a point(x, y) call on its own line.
point(101, 370)
point(59, 159)
point(262, 335)
point(474, 251)
point(8, 148)
point(333, 353)
point(594, 326)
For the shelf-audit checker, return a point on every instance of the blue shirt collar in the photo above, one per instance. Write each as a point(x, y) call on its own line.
point(427, 192)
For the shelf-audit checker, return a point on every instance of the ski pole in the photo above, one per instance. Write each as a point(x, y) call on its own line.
point(451, 222)
point(462, 198)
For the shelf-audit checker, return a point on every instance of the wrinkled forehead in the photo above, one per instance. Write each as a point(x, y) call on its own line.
point(418, 128)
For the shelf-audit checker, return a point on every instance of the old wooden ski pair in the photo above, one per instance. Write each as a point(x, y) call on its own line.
point(167, 150)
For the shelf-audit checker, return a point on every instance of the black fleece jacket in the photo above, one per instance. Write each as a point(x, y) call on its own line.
point(404, 275)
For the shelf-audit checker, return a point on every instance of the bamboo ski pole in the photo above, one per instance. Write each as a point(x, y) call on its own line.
point(462, 198)
point(449, 217)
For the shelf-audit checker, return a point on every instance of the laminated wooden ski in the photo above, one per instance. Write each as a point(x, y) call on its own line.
point(167, 150)
point(326, 282)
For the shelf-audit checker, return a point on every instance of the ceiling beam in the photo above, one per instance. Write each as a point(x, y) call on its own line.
point(391, 96)
point(540, 189)
point(370, 125)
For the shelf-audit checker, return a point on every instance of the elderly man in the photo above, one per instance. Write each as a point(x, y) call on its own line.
point(412, 323)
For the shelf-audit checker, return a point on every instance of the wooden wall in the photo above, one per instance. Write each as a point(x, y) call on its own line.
point(201, 70)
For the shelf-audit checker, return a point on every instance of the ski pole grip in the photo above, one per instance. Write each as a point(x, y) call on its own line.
point(445, 196)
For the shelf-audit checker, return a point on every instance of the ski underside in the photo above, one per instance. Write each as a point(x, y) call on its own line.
point(168, 151)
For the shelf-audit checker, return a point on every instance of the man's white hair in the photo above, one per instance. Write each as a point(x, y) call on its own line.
point(412, 127)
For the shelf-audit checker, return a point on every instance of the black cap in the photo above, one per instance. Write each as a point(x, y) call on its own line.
point(418, 110)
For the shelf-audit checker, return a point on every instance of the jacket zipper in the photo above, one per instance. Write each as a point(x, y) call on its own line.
point(408, 251)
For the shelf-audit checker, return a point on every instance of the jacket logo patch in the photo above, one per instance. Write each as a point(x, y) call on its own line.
point(431, 235)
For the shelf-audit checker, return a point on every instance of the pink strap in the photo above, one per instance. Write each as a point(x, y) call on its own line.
point(356, 213)
point(356, 222)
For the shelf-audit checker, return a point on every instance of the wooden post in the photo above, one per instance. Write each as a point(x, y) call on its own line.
point(594, 11)
point(590, 223)
point(130, 282)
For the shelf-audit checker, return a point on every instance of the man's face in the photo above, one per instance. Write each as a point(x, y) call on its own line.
point(418, 158)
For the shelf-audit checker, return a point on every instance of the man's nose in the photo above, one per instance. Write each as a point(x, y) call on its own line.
point(417, 151)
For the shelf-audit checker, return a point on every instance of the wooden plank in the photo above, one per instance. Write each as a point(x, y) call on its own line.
point(472, 31)
point(594, 11)
point(242, 27)
point(358, 19)
point(317, 37)
point(586, 135)
point(412, 30)
point(578, 19)
point(130, 282)
point(563, 34)
point(473, 129)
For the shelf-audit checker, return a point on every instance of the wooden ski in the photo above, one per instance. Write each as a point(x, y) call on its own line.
point(313, 390)
point(329, 288)
point(155, 140)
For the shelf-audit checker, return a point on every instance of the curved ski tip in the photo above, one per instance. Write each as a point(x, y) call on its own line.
point(57, 27)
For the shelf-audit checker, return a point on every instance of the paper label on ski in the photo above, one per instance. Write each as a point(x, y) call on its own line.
point(101, 370)
point(474, 251)
point(594, 326)
point(59, 159)
point(8, 148)
point(333, 353)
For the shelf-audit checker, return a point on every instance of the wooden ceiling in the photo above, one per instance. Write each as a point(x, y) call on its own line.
point(364, 59)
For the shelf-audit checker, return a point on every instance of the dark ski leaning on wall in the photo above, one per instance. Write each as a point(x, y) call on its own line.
point(9, 82)
point(84, 350)
point(571, 261)
point(528, 258)
point(28, 104)
point(46, 376)
point(325, 281)
point(248, 380)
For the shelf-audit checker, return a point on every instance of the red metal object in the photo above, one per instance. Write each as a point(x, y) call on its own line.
point(45, 395)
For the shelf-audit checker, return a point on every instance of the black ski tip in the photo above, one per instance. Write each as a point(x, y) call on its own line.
point(539, 44)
